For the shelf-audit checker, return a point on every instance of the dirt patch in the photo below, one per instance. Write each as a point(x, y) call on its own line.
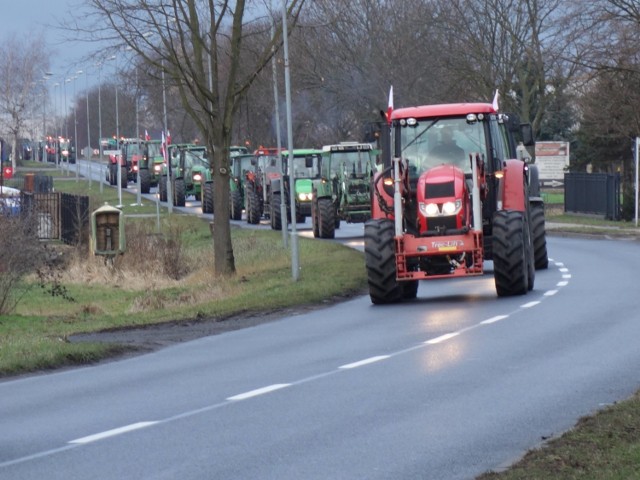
point(137, 340)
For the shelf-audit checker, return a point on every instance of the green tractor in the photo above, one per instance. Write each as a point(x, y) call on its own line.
point(343, 191)
point(306, 169)
point(151, 165)
point(177, 175)
point(240, 164)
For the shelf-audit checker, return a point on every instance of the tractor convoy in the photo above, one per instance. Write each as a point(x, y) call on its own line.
point(452, 194)
point(443, 191)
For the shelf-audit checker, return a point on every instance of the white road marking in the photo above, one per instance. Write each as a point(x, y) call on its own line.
point(562, 284)
point(550, 293)
point(259, 391)
point(442, 338)
point(497, 318)
point(530, 304)
point(112, 433)
point(366, 361)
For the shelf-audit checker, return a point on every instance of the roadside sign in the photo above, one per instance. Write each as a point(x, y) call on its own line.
point(552, 160)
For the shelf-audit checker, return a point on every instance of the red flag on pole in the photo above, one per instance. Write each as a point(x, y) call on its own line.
point(147, 137)
point(390, 105)
point(168, 137)
point(163, 149)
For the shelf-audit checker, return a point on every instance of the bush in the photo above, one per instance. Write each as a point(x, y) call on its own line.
point(21, 253)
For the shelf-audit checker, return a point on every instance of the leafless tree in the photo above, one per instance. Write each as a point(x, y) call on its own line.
point(197, 46)
point(24, 66)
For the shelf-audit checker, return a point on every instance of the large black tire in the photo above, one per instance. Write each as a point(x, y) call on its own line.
point(539, 236)
point(512, 253)
point(253, 206)
point(314, 218)
point(235, 205)
point(124, 180)
point(380, 260)
point(207, 197)
point(326, 218)
point(276, 217)
point(113, 174)
point(145, 180)
point(162, 188)
point(179, 197)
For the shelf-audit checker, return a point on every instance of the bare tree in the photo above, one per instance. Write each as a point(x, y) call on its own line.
point(24, 68)
point(197, 46)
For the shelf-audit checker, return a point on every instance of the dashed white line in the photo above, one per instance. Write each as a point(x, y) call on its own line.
point(441, 338)
point(495, 319)
point(530, 304)
point(550, 293)
point(259, 391)
point(366, 361)
point(112, 433)
point(562, 284)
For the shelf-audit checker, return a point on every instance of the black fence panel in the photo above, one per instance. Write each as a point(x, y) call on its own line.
point(45, 207)
point(74, 215)
point(593, 193)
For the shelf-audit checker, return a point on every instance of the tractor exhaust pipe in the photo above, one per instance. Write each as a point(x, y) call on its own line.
point(397, 198)
point(475, 195)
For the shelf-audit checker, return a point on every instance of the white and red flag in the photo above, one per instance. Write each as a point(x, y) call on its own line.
point(147, 137)
point(163, 148)
point(390, 105)
point(168, 137)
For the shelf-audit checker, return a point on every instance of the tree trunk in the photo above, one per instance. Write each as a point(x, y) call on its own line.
point(224, 261)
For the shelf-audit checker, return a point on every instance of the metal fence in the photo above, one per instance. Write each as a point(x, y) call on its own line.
point(59, 216)
point(593, 193)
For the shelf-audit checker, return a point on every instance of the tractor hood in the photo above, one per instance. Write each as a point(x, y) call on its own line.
point(442, 196)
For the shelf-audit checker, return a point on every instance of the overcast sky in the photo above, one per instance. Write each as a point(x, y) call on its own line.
point(34, 17)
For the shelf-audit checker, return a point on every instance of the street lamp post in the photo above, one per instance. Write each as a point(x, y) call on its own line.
point(89, 150)
point(166, 146)
point(66, 124)
point(75, 124)
point(119, 154)
point(100, 126)
point(56, 124)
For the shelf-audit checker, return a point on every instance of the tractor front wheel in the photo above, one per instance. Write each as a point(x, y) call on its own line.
point(145, 180)
point(326, 218)
point(253, 206)
point(276, 216)
point(179, 192)
point(235, 205)
point(162, 188)
point(207, 197)
point(380, 260)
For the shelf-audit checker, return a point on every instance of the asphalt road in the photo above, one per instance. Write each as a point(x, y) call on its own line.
point(445, 387)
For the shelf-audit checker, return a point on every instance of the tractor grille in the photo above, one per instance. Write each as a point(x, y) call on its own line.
point(439, 190)
point(356, 188)
point(441, 224)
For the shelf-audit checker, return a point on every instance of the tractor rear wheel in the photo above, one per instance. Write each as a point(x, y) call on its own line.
point(512, 253)
point(539, 236)
point(253, 206)
point(123, 177)
point(207, 197)
point(276, 216)
point(235, 205)
point(380, 260)
point(326, 218)
point(145, 180)
point(113, 174)
point(314, 218)
point(162, 188)
point(179, 192)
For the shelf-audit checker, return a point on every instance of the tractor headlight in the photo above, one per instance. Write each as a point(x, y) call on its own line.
point(303, 197)
point(451, 208)
point(157, 168)
point(197, 177)
point(440, 210)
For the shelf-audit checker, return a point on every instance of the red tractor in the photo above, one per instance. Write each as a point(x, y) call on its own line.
point(452, 194)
